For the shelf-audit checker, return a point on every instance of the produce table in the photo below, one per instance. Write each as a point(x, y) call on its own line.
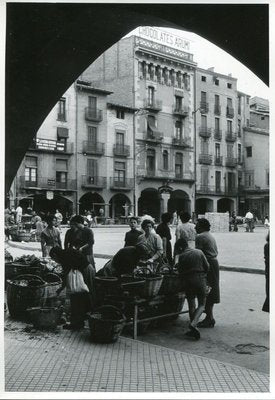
point(153, 308)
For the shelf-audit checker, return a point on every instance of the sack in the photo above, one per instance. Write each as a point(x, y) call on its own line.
point(75, 282)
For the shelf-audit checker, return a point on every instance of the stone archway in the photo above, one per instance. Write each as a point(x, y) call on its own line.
point(203, 205)
point(120, 205)
point(149, 202)
point(40, 204)
point(179, 201)
point(225, 204)
point(91, 202)
point(61, 32)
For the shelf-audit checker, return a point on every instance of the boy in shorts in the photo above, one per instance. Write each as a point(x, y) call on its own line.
point(192, 267)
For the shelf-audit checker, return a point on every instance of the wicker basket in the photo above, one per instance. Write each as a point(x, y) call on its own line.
point(44, 317)
point(152, 286)
point(23, 292)
point(170, 284)
point(132, 285)
point(106, 324)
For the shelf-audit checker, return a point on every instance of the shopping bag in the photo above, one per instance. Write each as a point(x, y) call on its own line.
point(75, 282)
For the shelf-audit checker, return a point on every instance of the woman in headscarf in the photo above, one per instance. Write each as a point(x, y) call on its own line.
point(207, 243)
point(82, 302)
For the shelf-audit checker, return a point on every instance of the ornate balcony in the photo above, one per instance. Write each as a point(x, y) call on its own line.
point(217, 109)
point(121, 150)
point(230, 136)
point(231, 162)
point(121, 184)
point(181, 111)
point(229, 112)
point(182, 142)
point(153, 136)
point(161, 175)
point(93, 114)
point(205, 132)
point(217, 134)
point(205, 159)
point(204, 107)
point(93, 182)
point(152, 105)
point(48, 184)
point(90, 147)
point(218, 160)
point(51, 146)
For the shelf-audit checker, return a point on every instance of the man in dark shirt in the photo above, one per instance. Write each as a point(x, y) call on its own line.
point(131, 236)
point(193, 267)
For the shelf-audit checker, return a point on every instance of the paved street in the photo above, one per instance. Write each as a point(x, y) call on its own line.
point(240, 337)
point(239, 249)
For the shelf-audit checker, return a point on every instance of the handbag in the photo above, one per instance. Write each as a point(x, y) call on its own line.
point(75, 282)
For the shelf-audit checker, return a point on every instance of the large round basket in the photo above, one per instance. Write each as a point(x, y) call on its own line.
point(53, 282)
point(106, 324)
point(152, 286)
point(44, 317)
point(23, 292)
point(131, 285)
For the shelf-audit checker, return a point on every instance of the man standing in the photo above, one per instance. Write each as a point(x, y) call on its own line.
point(131, 236)
point(193, 267)
point(249, 220)
point(19, 213)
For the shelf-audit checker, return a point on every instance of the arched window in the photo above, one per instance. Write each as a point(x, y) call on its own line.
point(165, 159)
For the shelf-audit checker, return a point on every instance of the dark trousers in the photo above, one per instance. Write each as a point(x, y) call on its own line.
point(80, 305)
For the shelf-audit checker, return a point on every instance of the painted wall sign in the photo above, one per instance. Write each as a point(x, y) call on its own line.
point(163, 37)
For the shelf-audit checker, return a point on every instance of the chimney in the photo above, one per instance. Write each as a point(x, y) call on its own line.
point(210, 69)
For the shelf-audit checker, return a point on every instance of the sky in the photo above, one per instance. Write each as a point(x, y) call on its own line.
point(207, 55)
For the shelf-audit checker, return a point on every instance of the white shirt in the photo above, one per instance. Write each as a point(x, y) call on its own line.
point(19, 210)
point(249, 215)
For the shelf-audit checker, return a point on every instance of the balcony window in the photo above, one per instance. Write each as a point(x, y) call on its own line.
point(92, 102)
point(217, 150)
point(61, 116)
point(203, 97)
point(218, 181)
point(151, 160)
point(204, 146)
point(249, 179)
point(203, 78)
point(92, 134)
point(165, 160)
point(204, 177)
point(151, 95)
point(217, 124)
point(120, 172)
point(178, 103)
point(229, 126)
point(178, 130)
point(178, 165)
point(120, 139)
point(61, 173)
point(91, 170)
point(230, 151)
point(239, 152)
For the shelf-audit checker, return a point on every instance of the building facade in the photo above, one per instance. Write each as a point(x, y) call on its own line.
point(144, 129)
point(255, 184)
point(158, 82)
point(220, 115)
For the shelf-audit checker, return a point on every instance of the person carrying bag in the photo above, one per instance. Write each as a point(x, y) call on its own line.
point(78, 279)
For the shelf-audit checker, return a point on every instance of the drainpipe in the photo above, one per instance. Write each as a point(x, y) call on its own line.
point(76, 149)
point(195, 139)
